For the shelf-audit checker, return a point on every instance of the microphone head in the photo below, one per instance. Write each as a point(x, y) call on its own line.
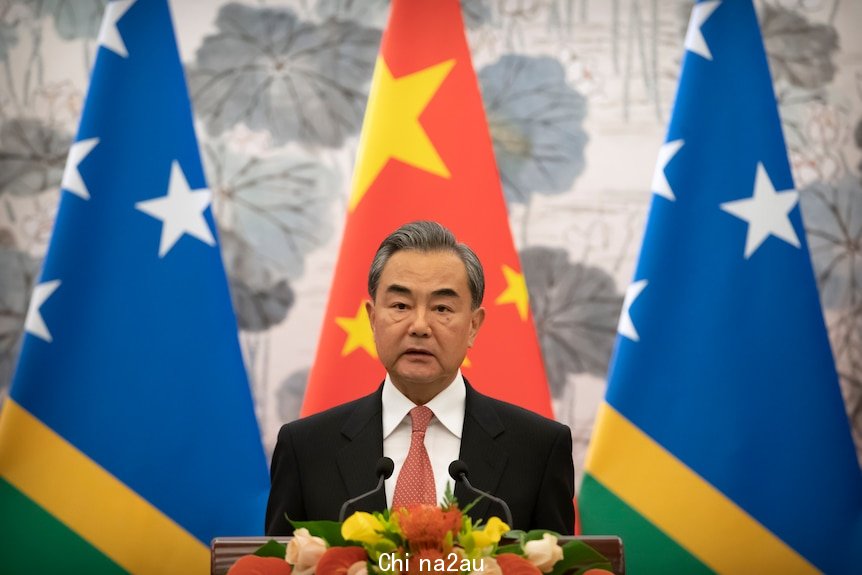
point(457, 470)
point(385, 466)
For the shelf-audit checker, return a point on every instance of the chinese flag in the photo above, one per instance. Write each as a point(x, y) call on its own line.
point(425, 154)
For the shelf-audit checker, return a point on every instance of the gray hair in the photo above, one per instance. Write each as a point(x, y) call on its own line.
point(427, 236)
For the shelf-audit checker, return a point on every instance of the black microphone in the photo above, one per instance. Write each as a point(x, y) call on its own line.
point(383, 471)
point(458, 471)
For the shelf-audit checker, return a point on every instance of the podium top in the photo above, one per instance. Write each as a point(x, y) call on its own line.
point(224, 551)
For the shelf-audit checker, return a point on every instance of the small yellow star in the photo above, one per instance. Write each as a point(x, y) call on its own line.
point(515, 292)
point(466, 362)
point(359, 334)
point(391, 127)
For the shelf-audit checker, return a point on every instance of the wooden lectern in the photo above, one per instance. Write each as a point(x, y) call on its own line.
point(224, 551)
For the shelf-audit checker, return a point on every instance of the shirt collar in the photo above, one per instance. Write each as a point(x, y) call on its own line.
point(448, 406)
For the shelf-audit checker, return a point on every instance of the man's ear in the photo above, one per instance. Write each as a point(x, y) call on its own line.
point(476, 321)
point(369, 309)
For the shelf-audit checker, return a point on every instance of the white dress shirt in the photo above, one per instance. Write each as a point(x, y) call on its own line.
point(442, 438)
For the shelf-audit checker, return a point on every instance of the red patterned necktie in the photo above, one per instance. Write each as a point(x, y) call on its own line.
point(416, 481)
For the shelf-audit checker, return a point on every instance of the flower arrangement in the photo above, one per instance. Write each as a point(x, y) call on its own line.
point(420, 540)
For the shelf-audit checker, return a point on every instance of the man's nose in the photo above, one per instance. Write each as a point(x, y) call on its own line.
point(419, 326)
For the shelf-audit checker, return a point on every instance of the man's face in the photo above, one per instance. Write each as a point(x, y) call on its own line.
point(422, 320)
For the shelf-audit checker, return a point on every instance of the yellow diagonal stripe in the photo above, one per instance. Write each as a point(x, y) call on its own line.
point(92, 502)
point(682, 504)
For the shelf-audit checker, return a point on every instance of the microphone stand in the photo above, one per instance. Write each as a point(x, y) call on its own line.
point(383, 471)
point(458, 471)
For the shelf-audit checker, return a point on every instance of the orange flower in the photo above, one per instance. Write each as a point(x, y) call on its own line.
point(420, 567)
point(511, 564)
point(254, 565)
point(337, 560)
point(425, 526)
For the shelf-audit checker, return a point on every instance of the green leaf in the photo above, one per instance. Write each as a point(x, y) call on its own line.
point(470, 506)
point(449, 501)
point(515, 535)
point(537, 534)
point(579, 556)
point(513, 548)
point(272, 548)
point(329, 531)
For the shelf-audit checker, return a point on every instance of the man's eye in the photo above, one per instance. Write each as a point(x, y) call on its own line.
point(442, 309)
point(400, 306)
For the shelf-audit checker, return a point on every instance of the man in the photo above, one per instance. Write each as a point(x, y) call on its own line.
point(425, 310)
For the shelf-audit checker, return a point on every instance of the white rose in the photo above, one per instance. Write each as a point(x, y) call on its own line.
point(544, 553)
point(304, 551)
point(489, 567)
point(358, 568)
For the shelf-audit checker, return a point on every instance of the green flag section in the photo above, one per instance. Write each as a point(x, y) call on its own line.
point(647, 549)
point(723, 425)
point(34, 542)
point(667, 494)
point(84, 496)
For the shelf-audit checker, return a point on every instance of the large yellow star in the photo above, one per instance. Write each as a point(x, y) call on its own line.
point(391, 127)
point(359, 334)
point(515, 292)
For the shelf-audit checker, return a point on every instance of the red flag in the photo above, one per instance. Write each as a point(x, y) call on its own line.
point(425, 154)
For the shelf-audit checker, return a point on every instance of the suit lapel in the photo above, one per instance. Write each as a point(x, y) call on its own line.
point(357, 460)
point(485, 459)
point(364, 431)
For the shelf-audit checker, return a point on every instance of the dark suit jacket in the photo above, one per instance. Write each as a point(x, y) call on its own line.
point(322, 460)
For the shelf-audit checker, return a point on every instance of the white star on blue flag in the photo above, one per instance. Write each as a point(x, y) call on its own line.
point(729, 369)
point(132, 354)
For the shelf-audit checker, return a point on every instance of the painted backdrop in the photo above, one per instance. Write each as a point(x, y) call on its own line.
point(577, 95)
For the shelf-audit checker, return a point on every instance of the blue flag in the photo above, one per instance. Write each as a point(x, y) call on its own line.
point(723, 444)
point(129, 440)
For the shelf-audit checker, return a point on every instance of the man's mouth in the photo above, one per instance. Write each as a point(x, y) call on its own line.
point(416, 352)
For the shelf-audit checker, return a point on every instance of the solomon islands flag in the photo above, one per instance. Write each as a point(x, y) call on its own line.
point(129, 438)
point(723, 444)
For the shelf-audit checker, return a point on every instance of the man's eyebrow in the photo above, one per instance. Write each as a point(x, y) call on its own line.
point(398, 289)
point(403, 290)
point(445, 292)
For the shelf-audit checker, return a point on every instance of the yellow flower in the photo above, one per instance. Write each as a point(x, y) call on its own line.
point(491, 534)
point(363, 528)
